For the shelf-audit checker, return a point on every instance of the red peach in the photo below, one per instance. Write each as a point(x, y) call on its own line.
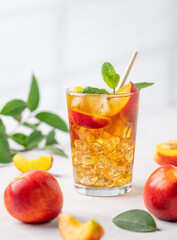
point(34, 197)
point(160, 193)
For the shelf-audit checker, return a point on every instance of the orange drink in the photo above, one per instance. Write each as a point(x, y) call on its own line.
point(103, 134)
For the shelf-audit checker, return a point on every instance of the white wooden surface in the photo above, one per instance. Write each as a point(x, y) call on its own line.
point(155, 125)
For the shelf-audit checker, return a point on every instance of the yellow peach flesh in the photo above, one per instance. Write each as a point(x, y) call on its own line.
point(25, 164)
point(169, 148)
point(72, 229)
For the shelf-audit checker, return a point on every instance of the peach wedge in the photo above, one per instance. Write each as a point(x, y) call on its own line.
point(72, 229)
point(128, 105)
point(166, 153)
point(24, 164)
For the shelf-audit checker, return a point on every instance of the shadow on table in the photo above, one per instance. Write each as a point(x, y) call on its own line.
point(59, 175)
point(46, 225)
point(136, 190)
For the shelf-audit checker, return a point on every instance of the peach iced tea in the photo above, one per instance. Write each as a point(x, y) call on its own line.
point(103, 132)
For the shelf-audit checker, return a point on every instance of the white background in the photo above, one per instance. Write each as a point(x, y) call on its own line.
point(65, 42)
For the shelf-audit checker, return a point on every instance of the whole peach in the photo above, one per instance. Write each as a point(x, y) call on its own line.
point(34, 197)
point(160, 193)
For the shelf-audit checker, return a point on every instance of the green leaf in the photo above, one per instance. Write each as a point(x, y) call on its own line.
point(109, 75)
point(4, 145)
point(31, 125)
point(33, 98)
point(135, 220)
point(18, 117)
point(34, 139)
point(143, 85)
point(50, 139)
point(13, 108)
point(56, 150)
point(92, 90)
point(52, 120)
point(20, 138)
point(5, 157)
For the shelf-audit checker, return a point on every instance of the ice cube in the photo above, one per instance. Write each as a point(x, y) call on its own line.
point(104, 182)
point(89, 180)
point(78, 102)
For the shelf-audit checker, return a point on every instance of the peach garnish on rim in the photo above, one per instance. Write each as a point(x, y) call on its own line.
point(77, 89)
point(124, 98)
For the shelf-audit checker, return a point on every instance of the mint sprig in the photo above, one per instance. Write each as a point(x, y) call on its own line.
point(92, 90)
point(35, 139)
point(110, 76)
point(141, 85)
point(112, 79)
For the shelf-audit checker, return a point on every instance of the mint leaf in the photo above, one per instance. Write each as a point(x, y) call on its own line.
point(33, 98)
point(52, 120)
point(19, 138)
point(56, 150)
point(18, 117)
point(143, 85)
point(5, 157)
point(109, 75)
point(92, 90)
point(34, 139)
point(31, 125)
point(135, 220)
point(50, 139)
point(4, 145)
point(13, 108)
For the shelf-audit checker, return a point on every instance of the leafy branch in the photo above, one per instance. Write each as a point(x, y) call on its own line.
point(15, 109)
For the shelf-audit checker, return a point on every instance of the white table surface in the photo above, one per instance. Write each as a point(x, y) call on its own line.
point(154, 126)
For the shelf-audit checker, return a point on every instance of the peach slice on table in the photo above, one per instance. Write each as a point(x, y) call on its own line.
point(72, 229)
point(87, 120)
point(24, 164)
point(166, 153)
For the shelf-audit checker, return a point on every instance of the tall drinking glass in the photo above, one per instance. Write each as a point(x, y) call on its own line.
point(103, 134)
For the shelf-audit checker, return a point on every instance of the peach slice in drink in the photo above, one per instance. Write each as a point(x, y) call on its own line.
point(130, 108)
point(123, 111)
point(88, 120)
point(94, 112)
point(24, 164)
point(126, 104)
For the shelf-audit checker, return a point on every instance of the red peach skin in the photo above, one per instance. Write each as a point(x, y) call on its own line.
point(34, 197)
point(160, 193)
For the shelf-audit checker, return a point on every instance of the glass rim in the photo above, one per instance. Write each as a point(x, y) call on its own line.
point(70, 92)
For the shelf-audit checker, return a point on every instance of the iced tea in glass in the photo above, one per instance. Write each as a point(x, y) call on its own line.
point(103, 134)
